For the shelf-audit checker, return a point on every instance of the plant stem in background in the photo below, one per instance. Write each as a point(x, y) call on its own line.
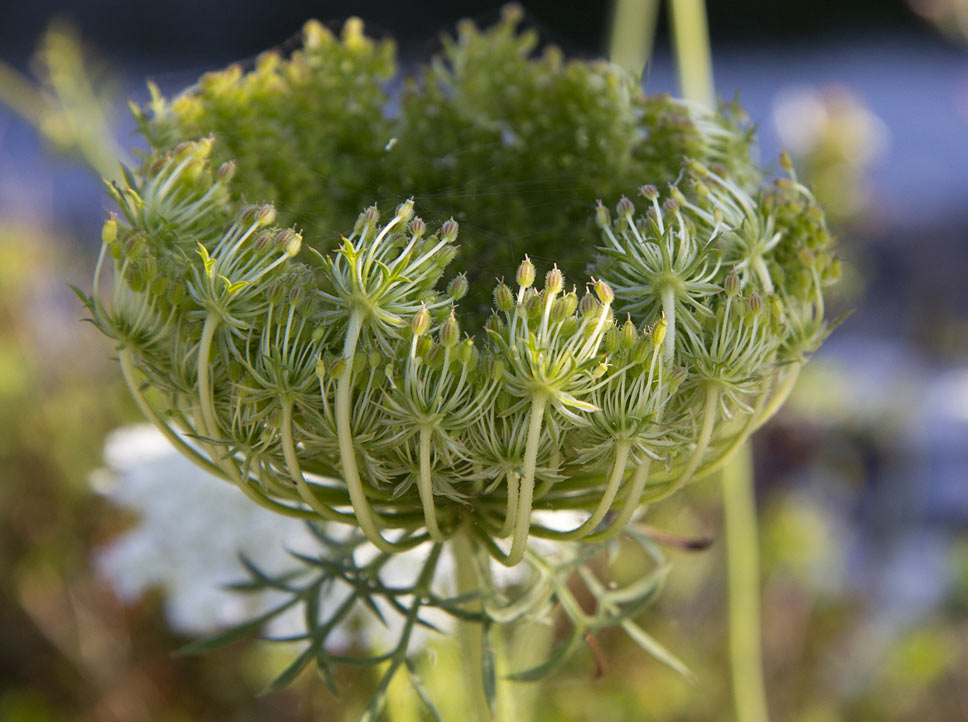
point(693, 57)
point(632, 33)
point(471, 633)
point(742, 568)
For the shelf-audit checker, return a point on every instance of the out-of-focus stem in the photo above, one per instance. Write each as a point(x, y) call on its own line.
point(742, 567)
point(632, 33)
point(693, 57)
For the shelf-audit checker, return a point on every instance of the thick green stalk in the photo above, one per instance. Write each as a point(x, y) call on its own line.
point(742, 566)
point(632, 33)
point(691, 35)
point(471, 632)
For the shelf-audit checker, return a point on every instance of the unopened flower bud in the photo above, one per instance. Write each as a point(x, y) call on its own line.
point(293, 245)
point(417, 227)
point(503, 298)
point(448, 231)
point(786, 162)
point(444, 256)
point(371, 216)
point(266, 215)
point(604, 292)
point(613, 340)
point(494, 323)
point(624, 208)
point(629, 333)
point(109, 231)
point(405, 211)
point(589, 305)
point(697, 168)
point(449, 331)
point(457, 288)
point(670, 205)
point(599, 370)
point(676, 377)
point(659, 329)
point(755, 304)
point(421, 322)
point(496, 368)
point(732, 284)
point(321, 369)
point(525, 275)
point(226, 171)
point(649, 192)
point(554, 280)
point(338, 368)
point(602, 217)
point(469, 353)
point(676, 195)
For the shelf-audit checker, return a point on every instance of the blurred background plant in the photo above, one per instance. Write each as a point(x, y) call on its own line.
point(863, 478)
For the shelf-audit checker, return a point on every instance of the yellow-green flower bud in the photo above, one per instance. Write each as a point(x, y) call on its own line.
point(604, 292)
point(613, 340)
point(405, 211)
point(786, 162)
point(554, 280)
point(421, 322)
point(525, 275)
point(109, 231)
point(658, 331)
point(732, 284)
point(649, 192)
point(457, 288)
point(266, 215)
point(589, 305)
point(602, 217)
point(503, 298)
point(449, 331)
point(629, 333)
point(321, 369)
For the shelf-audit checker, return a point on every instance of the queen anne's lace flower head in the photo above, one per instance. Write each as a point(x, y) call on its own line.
point(331, 363)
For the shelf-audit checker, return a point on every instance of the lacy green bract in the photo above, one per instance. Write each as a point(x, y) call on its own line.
point(332, 365)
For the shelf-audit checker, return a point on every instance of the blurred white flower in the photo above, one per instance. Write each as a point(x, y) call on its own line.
point(192, 527)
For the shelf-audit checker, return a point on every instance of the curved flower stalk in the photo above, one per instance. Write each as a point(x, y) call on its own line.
point(356, 379)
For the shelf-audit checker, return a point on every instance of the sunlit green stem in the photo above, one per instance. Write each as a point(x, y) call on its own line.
point(632, 32)
point(742, 565)
point(295, 471)
point(691, 37)
point(351, 474)
point(471, 632)
point(632, 500)
point(608, 497)
point(522, 524)
point(425, 486)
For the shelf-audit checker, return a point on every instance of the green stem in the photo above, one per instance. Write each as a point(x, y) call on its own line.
point(471, 632)
point(347, 451)
point(522, 523)
point(425, 486)
point(295, 471)
point(611, 490)
point(742, 564)
point(669, 309)
point(632, 33)
point(710, 414)
point(691, 35)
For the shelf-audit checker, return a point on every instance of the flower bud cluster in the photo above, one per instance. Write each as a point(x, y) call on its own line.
point(343, 380)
